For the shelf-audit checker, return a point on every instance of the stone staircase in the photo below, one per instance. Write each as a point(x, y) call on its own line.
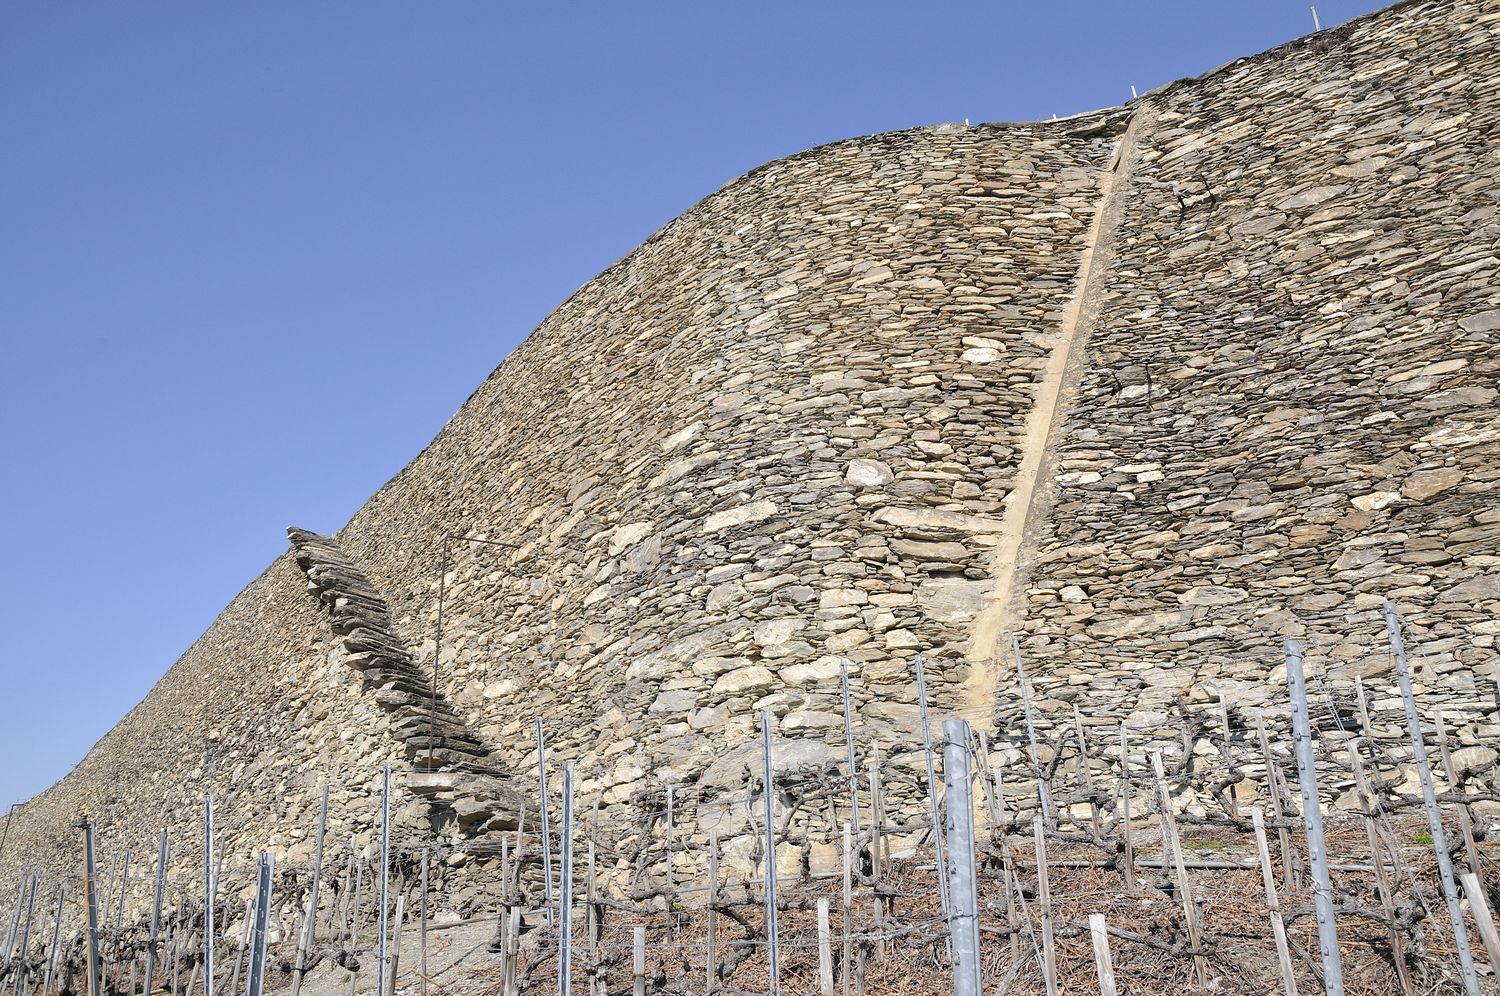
point(452, 766)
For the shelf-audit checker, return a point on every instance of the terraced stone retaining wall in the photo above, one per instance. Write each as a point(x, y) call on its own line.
point(823, 416)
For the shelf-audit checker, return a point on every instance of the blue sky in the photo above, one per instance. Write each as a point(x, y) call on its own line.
point(253, 256)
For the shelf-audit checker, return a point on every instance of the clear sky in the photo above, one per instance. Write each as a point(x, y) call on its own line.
point(252, 256)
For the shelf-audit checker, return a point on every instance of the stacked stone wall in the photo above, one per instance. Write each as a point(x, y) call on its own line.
point(1289, 407)
point(788, 430)
point(780, 433)
point(256, 713)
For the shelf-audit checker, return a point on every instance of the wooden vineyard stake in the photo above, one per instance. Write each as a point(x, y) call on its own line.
point(638, 960)
point(396, 946)
point(545, 821)
point(62, 893)
point(1429, 800)
point(1465, 822)
point(1044, 907)
point(359, 870)
point(502, 939)
point(1479, 909)
point(91, 905)
point(422, 930)
point(1312, 821)
point(825, 949)
point(933, 811)
point(239, 959)
point(1099, 933)
point(176, 955)
point(1367, 805)
point(877, 820)
point(768, 798)
point(848, 904)
point(593, 926)
point(341, 900)
point(209, 881)
point(1085, 776)
point(511, 945)
point(1125, 827)
point(308, 940)
point(671, 890)
point(383, 913)
point(565, 888)
point(985, 777)
point(1184, 885)
point(1043, 786)
point(1274, 790)
point(849, 744)
point(712, 960)
point(1273, 904)
point(1012, 918)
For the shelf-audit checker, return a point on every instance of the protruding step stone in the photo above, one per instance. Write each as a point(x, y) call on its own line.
point(454, 767)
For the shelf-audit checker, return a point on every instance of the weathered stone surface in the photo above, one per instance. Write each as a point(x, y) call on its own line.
point(627, 536)
point(868, 473)
point(934, 519)
point(1374, 501)
point(754, 678)
point(1481, 589)
point(1485, 321)
point(1319, 325)
point(954, 599)
point(1424, 484)
point(789, 428)
point(739, 515)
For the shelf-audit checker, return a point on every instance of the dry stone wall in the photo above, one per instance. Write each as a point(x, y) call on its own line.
point(259, 712)
point(1289, 408)
point(790, 423)
point(790, 429)
point(779, 433)
point(450, 764)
